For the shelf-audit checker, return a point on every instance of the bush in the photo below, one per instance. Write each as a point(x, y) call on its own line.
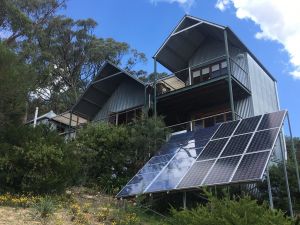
point(110, 155)
point(241, 211)
point(35, 160)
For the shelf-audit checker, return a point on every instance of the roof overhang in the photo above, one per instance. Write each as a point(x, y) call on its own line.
point(66, 117)
point(188, 36)
point(101, 89)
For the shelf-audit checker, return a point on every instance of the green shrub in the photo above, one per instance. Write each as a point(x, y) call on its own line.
point(35, 160)
point(241, 211)
point(45, 207)
point(110, 155)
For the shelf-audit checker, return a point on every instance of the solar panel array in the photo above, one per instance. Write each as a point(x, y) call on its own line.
point(231, 152)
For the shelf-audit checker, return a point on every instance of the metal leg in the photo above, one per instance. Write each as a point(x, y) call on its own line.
point(286, 177)
point(270, 190)
point(294, 152)
point(184, 200)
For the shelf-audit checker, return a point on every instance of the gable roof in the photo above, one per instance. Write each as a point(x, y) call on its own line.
point(188, 36)
point(100, 90)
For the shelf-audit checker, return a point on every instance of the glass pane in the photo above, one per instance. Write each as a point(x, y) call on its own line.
point(205, 70)
point(224, 64)
point(215, 67)
point(196, 73)
point(263, 140)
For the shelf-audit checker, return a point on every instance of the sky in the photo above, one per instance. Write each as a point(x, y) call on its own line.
point(269, 28)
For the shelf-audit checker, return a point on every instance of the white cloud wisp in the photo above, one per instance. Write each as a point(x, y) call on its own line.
point(278, 21)
point(185, 4)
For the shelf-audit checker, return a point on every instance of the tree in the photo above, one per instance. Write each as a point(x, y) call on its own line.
point(15, 83)
point(21, 19)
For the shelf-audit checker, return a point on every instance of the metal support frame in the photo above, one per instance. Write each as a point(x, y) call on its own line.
point(286, 177)
point(269, 190)
point(184, 200)
point(229, 75)
point(294, 151)
point(155, 79)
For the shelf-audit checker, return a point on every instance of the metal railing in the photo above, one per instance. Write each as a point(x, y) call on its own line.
point(200, 123)
point(185, 78)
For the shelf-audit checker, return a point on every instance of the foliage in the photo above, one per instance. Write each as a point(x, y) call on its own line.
point(45, 207)
point(35, 160)
point(146, 136)
point(15, 79)
point(111, 154)
point(240, 211)
point(278, 184)
point(18, 200)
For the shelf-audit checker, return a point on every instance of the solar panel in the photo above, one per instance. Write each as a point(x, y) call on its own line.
point(221, 172)
point(248, 125)
point(263, 140)
point(213, 149)
point(232, 152)
point(237, 145)
point(196, 174)
point(166, 169)
point(226, 129)
point(272, 120)
point(251, 167)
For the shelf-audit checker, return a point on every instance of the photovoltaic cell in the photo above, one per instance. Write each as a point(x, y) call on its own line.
point(251, 167)
point(247, 125)
point(213, 149)
point(168, 179)
point(222, 171)
point(263, 140)
point(151, 168)
point(196, 174)
point(160, 158)
point(271, 120)
point(237, 145)
point(192, 159)
point(226, 129)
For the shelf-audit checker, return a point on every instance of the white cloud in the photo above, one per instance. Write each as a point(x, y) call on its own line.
point(185, 4)
point(278, 21)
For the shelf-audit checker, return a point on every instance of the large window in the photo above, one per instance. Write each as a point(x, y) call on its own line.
point(208, 72)
point(125, 117)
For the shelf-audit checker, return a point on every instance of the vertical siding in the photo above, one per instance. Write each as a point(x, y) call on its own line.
point(263, 89)
point(244, 107)
point(209, 50)
point(127, 95)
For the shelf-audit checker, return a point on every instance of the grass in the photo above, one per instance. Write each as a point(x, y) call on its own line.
point(79, 206)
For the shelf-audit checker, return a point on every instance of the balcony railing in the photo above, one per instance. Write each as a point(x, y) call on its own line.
point(203, 122)
point(201, 73)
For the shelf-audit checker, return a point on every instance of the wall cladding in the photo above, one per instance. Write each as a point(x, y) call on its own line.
point(127, 95)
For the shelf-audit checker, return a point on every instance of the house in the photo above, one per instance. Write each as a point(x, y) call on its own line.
point(60, 123)
point(215, 78)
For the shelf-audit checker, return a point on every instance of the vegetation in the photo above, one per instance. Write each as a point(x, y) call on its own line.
point(240, 211)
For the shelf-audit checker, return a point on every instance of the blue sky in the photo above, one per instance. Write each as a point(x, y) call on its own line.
point(145, 24)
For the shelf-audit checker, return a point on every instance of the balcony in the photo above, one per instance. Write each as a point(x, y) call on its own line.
point(204, 73)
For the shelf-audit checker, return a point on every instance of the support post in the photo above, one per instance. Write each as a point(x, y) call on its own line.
point(270, 190)
point(229, 75)
point(184, 200)
point(294, 152)
point(190, 76)
point(35, 116)
point(286, 177)
point(155, 79)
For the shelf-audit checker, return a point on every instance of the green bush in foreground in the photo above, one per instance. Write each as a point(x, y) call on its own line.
point(35, 160)
point(242, 211)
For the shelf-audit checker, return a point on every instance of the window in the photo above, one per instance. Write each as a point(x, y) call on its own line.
point(215, 67)
point(196, 73)
point(224, 65)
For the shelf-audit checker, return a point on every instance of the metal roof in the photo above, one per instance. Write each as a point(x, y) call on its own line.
point(64, 118)
point(100, 90)
point(188, 36)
